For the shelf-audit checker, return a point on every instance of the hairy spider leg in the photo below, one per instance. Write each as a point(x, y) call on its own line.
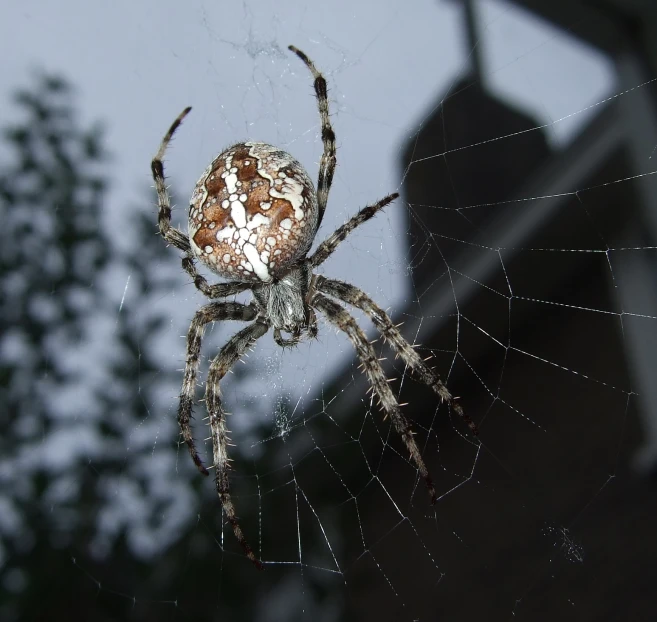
point(338, 316)
point(328, 162)
point(213, 312)
point(326, 248)
point(169, 233)
point(357, 298)
point(176, 237)
point(227, 357)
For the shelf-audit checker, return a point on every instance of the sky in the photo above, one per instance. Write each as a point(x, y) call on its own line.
point(136, 65)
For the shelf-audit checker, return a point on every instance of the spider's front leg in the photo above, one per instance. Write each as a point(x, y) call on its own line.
point(169, 233)
point(328, 161)
point(219, 367)
point(213, 312)
point(172, 235)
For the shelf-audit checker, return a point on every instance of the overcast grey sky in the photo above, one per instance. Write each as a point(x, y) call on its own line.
point(136, 65)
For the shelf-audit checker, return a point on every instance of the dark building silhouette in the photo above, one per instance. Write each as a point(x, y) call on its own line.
point(522, 242)
point(458, 163)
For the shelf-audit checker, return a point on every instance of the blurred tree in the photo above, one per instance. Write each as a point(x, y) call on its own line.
point(81, 473)
point(52, 252)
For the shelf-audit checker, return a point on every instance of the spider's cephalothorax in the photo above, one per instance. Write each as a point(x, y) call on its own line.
point(253, 217)
point(285, 302)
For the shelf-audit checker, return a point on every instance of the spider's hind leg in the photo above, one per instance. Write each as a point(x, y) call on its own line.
point(215, 311)
point(227, 357)
point(356, 297)
point(367, 355)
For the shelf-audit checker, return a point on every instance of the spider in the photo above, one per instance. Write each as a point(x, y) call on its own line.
point(253, 217)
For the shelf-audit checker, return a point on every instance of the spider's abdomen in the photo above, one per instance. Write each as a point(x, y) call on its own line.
point(253, 213)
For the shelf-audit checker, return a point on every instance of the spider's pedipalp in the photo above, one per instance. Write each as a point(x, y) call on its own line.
point(326, 248)
point(213, 312)
point(356, 297)
point(335, 314)
point(229, 354)
point(286, 343)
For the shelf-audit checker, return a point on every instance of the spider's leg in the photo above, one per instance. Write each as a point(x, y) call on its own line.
point(215, 311)
point(219, 290)
point(326, 248)
point(354, 296)
point(328, 161)
point(219, 367)
point(367, 355)
point(174, 236)
point(169, 233)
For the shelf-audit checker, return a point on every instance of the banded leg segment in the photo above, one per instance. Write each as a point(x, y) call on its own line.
point(170, 234)
point(328, 162)
point(213, 312)
point(326, 248)
point(227, 357)
point(356, 297)
point(345, 322)
point(176, 237)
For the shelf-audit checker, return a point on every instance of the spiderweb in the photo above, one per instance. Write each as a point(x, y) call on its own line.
point(534, 301)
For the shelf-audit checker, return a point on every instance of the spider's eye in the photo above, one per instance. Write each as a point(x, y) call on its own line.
point(253, 213)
